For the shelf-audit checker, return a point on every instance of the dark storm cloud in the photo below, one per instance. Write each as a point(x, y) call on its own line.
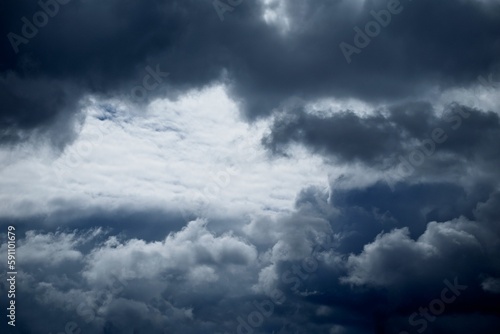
point(385, 251)
point(108, 48)
point(194, 279)
point(37, 105)
point(345, 135)
point(361, 214)
point(409, 136)
point(388, 279)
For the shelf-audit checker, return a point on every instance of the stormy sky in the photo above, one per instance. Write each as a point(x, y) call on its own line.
point(237, 166)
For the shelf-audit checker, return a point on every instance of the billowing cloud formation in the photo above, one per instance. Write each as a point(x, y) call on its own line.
point(251, 167)
point(111, 48)
point(300, 270)
point(380, 138)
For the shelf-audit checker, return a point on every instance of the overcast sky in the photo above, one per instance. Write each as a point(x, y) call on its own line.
point(237, 166)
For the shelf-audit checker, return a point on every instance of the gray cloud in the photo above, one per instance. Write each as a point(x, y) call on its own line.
point(196, 279)
point(361, 254)
point(109, 56)
point(410, 138)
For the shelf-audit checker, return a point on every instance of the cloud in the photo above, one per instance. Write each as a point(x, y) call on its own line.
point(406, 141)
point(169, 171)
point(197, 279)
point(170, 148)
point(193, 249)
point(58, 247)
point(110, 56)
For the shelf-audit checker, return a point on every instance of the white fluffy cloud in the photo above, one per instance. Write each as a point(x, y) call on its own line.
point(393, 258)
point(194, 251)
point(165, 156)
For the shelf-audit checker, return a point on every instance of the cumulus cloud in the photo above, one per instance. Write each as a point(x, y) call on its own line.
point(193, 250)
point(116, 283)
point(177, 167)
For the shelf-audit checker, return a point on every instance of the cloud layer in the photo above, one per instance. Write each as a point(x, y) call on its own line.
point(225, 167)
